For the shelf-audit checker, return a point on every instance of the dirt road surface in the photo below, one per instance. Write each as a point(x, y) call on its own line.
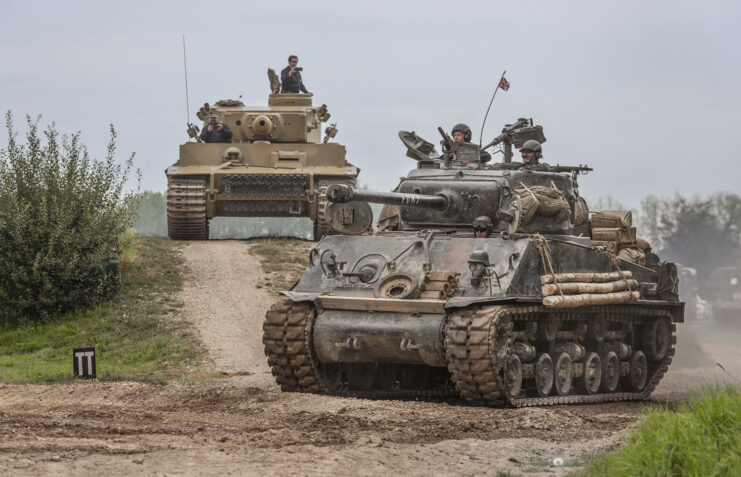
point(244, 425)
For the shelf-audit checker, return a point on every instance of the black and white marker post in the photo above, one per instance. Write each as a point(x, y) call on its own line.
point(83, 362)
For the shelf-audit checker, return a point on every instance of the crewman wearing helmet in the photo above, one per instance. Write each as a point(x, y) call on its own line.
point(462, 133)
point(532, 152)
point(482, 227)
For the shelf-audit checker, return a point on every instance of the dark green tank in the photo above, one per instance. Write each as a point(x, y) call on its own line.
point(542, 311)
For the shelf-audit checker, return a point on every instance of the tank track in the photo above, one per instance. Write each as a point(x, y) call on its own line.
point(287, 340)
point(478, 343)
point(476, 363)
point(186, 209)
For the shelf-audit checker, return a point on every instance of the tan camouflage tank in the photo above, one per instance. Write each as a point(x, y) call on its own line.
point(276, 165)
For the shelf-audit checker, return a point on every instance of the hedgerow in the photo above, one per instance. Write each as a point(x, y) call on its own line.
point(61, 215)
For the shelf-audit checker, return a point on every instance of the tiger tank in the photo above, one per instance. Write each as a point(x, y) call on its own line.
point(541, 311)
point(275, 164)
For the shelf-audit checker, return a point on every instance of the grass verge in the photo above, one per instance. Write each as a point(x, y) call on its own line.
point(137, 334)
point(702, 437)
point(282, 260)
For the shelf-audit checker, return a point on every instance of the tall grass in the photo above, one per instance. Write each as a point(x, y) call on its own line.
point(700, 438)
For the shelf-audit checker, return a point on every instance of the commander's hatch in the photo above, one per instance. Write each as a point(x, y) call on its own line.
point(418, 148)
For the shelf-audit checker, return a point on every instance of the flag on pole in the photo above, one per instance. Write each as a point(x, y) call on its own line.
point(504, 84)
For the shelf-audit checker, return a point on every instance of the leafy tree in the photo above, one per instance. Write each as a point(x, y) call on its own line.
point(698, 233)
point(61, 214)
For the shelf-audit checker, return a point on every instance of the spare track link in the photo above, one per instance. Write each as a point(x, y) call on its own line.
point(476, 366)
point(186, 209)
point(287, 340)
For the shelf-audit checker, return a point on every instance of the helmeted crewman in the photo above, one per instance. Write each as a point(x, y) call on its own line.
point(462, 133)
point(482, 227)
point(532, 152)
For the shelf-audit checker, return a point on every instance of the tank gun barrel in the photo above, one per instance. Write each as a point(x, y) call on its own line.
point(341, 193)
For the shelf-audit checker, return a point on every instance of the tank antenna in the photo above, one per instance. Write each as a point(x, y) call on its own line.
point(499, 83)
point(187, 101)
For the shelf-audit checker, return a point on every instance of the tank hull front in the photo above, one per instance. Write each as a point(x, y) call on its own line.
point(259, 179)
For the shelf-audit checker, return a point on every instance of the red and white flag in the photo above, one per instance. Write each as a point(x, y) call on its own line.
point(504, 84)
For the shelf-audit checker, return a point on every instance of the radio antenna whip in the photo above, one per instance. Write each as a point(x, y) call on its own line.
point(505, 86)
point(187, 101)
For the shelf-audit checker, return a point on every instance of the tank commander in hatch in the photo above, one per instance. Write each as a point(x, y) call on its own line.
point(290, 77)
point(532, 152)
point(216, 131)
point(482, 227)
point(462, 133)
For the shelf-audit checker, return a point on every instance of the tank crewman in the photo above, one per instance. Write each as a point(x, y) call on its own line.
point(462, 133)
point(290, 77)
point(532, 152)
point(482, 227)
point(216, 131)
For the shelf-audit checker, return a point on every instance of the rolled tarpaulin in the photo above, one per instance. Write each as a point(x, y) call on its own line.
point(584, 277)
point(574, 301)
point(575, 288)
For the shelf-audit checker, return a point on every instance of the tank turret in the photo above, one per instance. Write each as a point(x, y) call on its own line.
point(556, 308)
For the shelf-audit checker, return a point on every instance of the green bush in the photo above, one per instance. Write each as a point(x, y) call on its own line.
point(61, 215)
point(702, 438)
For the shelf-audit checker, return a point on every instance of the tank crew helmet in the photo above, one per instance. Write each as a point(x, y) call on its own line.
point(479, 256)
point(533, 146)
point(464, 129)
point(478, 261)
point(482, 224)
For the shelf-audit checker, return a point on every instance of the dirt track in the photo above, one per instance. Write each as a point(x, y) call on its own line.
point(245, 425)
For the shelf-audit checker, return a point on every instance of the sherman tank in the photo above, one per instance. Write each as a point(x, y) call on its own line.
point(544, 310)
point(276, 164)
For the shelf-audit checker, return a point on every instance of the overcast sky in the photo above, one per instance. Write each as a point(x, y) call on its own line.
point(646, 92)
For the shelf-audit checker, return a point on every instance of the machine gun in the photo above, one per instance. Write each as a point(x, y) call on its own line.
point(515, 135)
point(574, 170)
point(449, 146)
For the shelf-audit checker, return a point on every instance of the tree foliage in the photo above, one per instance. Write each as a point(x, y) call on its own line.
point(61, 213)
point(701, 233)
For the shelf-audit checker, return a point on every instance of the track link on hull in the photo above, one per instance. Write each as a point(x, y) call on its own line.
point(186, 209)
